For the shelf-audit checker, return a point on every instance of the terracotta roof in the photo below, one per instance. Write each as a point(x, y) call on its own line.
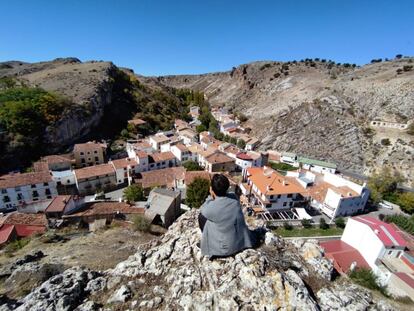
point(343, 255)
point(58, 204)
point(123, 163)
point(244, 156)
point(90, 145)
point(191, 175)
point(95, 170)
point(56, 158)
point(159, 138)
point(141, 154)
point(28, 230)
point(107, 208)
point(182, 147)
point(137, 122)
point(187, 132)
point(207, 152)
point(162, 156)
point(384, 231)
point(17, 218)
point(195, 148)
point(219, 157)
point(40, 166)
point(270, 182)
point(5, 233)
point(141, 145)
point(16, 180)
point(181, 123)
point(229, 148)
point(162, 177)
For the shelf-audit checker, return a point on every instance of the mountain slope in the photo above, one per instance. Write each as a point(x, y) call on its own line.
point(320, 109)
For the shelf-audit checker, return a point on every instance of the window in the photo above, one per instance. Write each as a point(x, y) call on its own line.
point(45, 184)
point(35, 194)
point(6, 199)
point(89, 159)
point(47, 191)
point(284, 203)
point(95, 152)
point(289, 195)
point(19, 197)
point(17, 189)
point(96, 159)
point(81, 153)
point(279, 196)
point(3, 190)
point(82, 160)
point(89, 152)
point(271, 197)
point(33, 186)
point(290, 204)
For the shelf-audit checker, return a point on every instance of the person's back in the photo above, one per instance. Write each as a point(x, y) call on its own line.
point(225, 231)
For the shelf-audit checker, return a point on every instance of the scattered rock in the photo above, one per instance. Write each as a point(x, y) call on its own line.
point(121, 295)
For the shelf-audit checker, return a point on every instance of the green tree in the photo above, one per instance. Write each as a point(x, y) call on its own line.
point(287, 226)
point(340, 222)
point(134, 193)
point(306, 223)
point(125, 133)
point(323, 225)
point(241, 144)
point(233, 140)
point(406, 201)
point(383, 184)
point(192, 166)
point(197, 192)
point(201, 128)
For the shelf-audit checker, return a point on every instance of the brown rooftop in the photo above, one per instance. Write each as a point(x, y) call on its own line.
point(58, 204)
point(162, 156)
point(95, 170)
point(141, 145)
point(123, 163)
point(163, 177)
point(191, 175)
point(182, 147)
point(219, 157)
point(160, 138)
point(91, 145)
point(137, 122)
point(17, 218)
point(17, 180)
point(107, 208)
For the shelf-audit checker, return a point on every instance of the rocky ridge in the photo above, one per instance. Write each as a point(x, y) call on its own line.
point(171, 274)
point(320, 109)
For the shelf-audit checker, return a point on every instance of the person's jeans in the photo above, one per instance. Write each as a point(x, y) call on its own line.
point(201, 221)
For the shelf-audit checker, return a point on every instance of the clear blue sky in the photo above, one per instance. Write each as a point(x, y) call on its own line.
point(194, 36)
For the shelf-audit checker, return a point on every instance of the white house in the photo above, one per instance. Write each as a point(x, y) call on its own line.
point(317, 165)
point(343, 197)
point(227, 124)
point(182, 153)
point(289, 158)
point(248, 159)
point(65, 178)
point(188, 136)
point(270, 190)
point(140, 145)
point(22, 189)
point(125, 169)
point(157, 140)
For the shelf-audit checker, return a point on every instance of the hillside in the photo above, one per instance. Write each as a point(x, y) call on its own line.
point(91, 100)
point(320, 109)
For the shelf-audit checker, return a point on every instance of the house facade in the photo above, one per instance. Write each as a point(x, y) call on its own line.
point(23, 189)
point(90, 153)
point(125, 169)
point(97, 177)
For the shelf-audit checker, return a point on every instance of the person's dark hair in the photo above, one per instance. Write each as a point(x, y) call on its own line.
point(220, 184)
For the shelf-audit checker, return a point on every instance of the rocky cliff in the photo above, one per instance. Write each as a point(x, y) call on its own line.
point(321, 109)
point(171, 274)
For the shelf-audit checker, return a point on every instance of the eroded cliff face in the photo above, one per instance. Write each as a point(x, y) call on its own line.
point(171, 274)
point(319, 109)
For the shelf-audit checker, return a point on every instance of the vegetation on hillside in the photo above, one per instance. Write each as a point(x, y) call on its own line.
point(366, 278)
point(383, 186)
point(134, 193)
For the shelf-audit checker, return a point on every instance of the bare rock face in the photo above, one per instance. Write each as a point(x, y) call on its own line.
point(171, 274)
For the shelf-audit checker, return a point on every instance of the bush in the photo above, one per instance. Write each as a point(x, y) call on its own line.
point(134, 193)
point(340, 222)
point(16, 245)
point(197, 192)
point(241, 144)
point(142, 224)
point(306, 223)
point(385, 142)
point(287, 226)
point(192, 166)
point(408, 68)
point(366, 278)
point(404, 222)
point(323, 225)
point(282, 167)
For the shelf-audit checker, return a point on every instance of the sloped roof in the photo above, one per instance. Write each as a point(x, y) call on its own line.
point(123, 163)
point(17, 218)
point(107, 208)
point(5, 233)
point(163, 177)
point(316, 162)
point(95, 170)
point(160, 200)
point(58, 204)
point(16, 180)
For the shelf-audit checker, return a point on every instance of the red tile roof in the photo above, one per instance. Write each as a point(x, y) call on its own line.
point(387, 233)
point(58, 204)
point(16, 180)
point(218, 157)
point(162, 156)
point(89, 146)
point(343, 255)
point(28, 230)
point(244, 156)
point(6, 231)
point(95, 170)
point(17, 218)
point(406, 278)
point(191, 175)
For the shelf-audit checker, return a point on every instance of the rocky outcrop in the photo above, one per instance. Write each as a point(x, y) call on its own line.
point(171, 274)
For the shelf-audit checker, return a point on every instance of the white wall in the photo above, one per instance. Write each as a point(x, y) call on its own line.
point(64, 177)
point(363, 238)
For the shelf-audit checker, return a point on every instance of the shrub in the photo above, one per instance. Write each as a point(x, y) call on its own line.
point(306, 223)
point(408, 68)
point(398, 56)
point(142, 224)
point(340, 222)
point(197, 192)
point(287, 226)
point(385, 142)
point(241, 144)
point(323, 225)
point(366, 278)
point(282, 166)
point(16, 245)
point(192, 166)
point(134, 193)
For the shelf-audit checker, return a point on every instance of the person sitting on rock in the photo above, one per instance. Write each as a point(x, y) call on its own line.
point(221, 220)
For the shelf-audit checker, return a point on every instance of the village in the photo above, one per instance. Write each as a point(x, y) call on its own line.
point(281, 189)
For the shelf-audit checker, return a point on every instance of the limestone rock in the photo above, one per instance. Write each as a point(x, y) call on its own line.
point(121, 295)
